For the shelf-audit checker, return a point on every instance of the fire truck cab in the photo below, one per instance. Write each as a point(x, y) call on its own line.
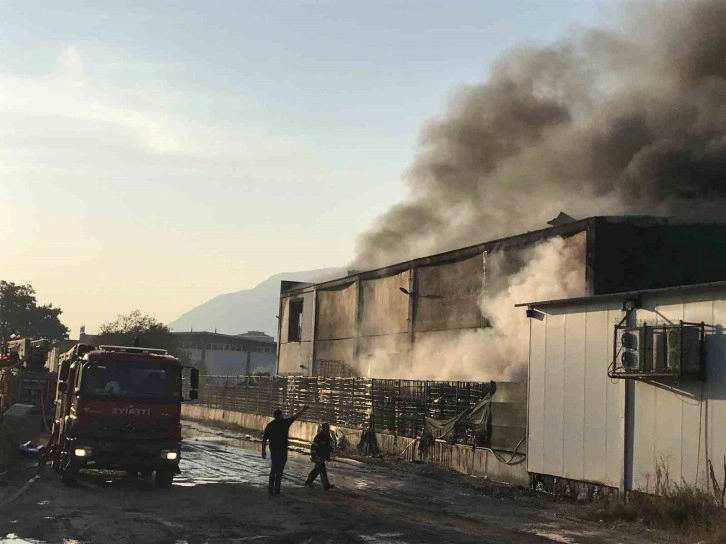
point(119, 408)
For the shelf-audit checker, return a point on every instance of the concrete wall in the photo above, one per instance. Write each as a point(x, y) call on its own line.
point(585, 426)
point(341, 351)
point(308, 316)
point(384, 307)
point(294, 354)
point(381, 355)
point(447, 295)
point(336, 313)
point(388, 325)
point(233, 363)
point(465, 459)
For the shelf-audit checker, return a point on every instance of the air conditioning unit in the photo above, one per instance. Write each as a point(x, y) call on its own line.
point(655, 350)
point(684, 350)
point(630, 347)
point(658, 350)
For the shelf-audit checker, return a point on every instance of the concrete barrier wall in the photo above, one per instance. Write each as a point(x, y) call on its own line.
point(477, 462)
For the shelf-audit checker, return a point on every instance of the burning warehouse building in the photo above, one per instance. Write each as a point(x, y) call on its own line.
point(452, 316)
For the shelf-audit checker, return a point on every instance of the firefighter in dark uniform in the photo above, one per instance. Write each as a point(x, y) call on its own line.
point(320, 451)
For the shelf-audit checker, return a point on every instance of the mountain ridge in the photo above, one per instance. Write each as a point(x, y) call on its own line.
point(248, 309)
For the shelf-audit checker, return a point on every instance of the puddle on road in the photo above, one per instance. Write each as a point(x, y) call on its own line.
point(551, 535)
point(220, 461)
point(12, 538)
point(383, 538)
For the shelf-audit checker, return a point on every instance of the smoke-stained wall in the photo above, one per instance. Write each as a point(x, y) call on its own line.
point(294, 353)
point(336, 309)
point(334, 350)
point(452, 316)
point(413, 320)
point(384, 307)
point(642, 255)
point(384, 330)
point(447, 295)
point(306, 331)
point(380, 356)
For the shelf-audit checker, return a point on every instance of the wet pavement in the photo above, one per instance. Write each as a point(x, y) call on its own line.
point(221, 497)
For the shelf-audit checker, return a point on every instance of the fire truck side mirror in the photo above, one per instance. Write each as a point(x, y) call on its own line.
point(194, 379)
point(62, 387)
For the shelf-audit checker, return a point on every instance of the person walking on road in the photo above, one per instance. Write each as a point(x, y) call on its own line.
point(320, 451)
point(276, 433)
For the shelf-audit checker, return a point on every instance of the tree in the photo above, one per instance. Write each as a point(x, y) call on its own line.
point(128, 330)
point(20, 314)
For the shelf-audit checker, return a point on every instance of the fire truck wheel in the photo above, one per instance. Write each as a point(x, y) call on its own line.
point(164, 478)
point(70, 474)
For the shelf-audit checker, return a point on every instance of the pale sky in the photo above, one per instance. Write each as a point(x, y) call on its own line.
point(156, 154)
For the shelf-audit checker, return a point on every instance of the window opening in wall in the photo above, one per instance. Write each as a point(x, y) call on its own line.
point(294, 325)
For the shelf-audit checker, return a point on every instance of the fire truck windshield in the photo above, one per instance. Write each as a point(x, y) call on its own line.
point(131, 380)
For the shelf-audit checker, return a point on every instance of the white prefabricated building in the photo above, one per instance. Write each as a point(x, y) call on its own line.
point(629, 389)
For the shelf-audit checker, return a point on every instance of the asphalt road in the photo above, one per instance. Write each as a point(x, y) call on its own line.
point(221, 497)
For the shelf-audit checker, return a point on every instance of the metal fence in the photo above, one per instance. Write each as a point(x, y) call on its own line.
point(392, 406)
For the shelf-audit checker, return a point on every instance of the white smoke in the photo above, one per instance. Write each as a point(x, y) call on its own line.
point(552, 269)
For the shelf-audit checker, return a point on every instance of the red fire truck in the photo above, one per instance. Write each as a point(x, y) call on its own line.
point(119, 408)
point(24, 378)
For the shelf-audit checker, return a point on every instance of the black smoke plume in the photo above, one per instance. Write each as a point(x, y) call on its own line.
point(601, 122)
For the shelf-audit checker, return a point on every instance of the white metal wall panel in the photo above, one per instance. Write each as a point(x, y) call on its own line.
point(645, 409)
point(576, 413)
point(574, 397)
point(668, 417)
point(536, 395)
point(615, 394)
point(595, 439)
point(554, 382)
point(715, 411)
point(693, 432)
point(668, 427)
point(657, 419)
